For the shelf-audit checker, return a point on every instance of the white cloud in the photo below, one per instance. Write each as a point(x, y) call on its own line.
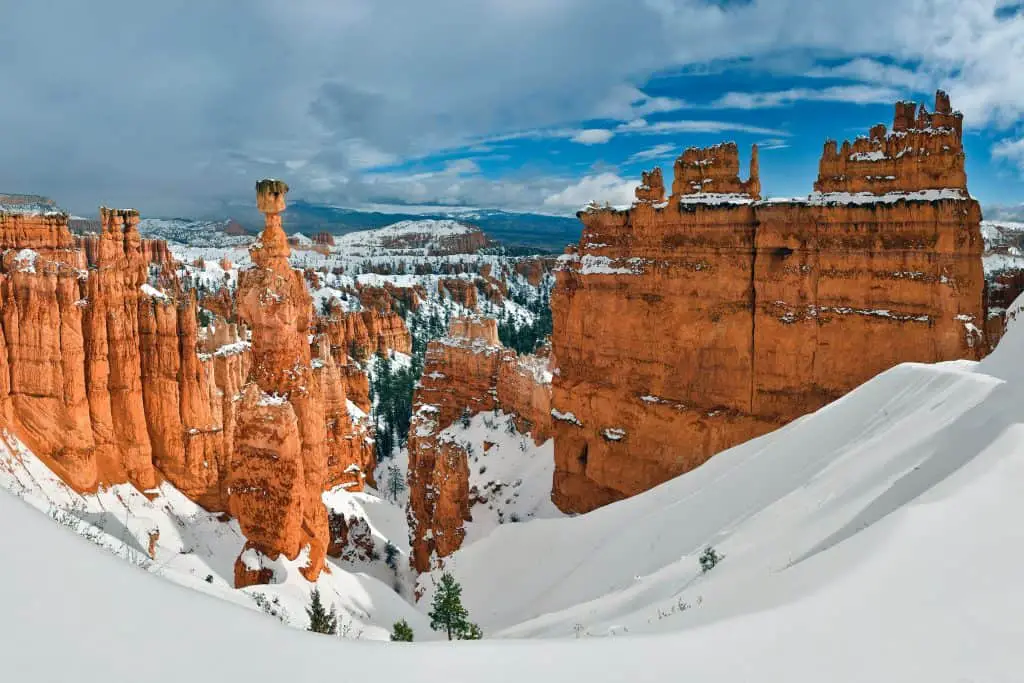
point(628, 102)
point(605, 187)
point(855, 94)
point(203, 107)
point(872, 71)
point(593, 136)
point(772, 143)
point(462, 167)
point(656, 152)
point(642, 127)
point(1010, 150)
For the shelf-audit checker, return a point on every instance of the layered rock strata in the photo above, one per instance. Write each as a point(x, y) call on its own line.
point(686, 326)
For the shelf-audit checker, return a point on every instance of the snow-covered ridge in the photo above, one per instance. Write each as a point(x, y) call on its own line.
point(195, 233)
point(29, 205)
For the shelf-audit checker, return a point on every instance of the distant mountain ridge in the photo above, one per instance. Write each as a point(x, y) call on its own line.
point(533, 230)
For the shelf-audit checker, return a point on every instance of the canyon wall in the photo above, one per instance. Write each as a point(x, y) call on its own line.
point(687, 325)
point(468, 372)
point(107, 375)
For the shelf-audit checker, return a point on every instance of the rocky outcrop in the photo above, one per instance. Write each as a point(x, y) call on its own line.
point(709, 170)
point(463, 292)
point(923, 152)
point(533, 269)
point(278, 468)
point(435, 238)
point(108, 374)
point(468, 372)
point(360, 335)
point(684, 327)
point(324, 239)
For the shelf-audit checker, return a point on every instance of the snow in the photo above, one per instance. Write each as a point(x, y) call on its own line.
point(566, 417)
point(512, 476)
point(153, 293)
point(603, 265)
point(193, 549)
point(826, 198)
point(29, 205)
point(614, 433)
point(996, 263)
point(875, 155)
point(25, 260)
point(273, 399)
point(716, 198)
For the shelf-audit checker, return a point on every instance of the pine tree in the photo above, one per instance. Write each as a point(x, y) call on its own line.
point(396, 481)
point(709, 559)
point(320, 620)
point(447, 613)
point(391, 555)
point(402, 632)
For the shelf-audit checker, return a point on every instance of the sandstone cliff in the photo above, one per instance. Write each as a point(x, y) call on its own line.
point(684, 327)
point(466, 373)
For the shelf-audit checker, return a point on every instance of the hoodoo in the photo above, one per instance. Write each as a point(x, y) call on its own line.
point(686, 326)
point(107, 376)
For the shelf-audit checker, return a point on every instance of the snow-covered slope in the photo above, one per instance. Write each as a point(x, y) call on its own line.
point(421, 236)
point(184, 231)
point(170, 536)
point(1003, 242)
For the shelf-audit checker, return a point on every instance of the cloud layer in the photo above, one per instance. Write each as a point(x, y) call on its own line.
point(178, 106)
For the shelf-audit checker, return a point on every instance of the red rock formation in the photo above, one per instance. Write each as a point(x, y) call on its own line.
point(387, 332)
point(712, 170)
point(460, 291)
point(468, 371)
point(682, 330)
point(652, 187)
point(102, 376)
point(324, 239)
point(533, 269)
point(920, 154)
point(279, 468)
point(220, 302)
point(362, 334)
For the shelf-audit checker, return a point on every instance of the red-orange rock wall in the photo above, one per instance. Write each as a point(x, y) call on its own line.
point(684, 328)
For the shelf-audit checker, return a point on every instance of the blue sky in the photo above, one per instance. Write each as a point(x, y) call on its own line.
point(518, 104)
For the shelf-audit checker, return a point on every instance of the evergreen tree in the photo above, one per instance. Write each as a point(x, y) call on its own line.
point(401, 632)
point(396, 481)
point(320, 620)
point(447, 613)
point(391, 555)
point(708, 559)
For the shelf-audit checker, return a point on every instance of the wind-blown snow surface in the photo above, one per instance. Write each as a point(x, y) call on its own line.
point(878, 539)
